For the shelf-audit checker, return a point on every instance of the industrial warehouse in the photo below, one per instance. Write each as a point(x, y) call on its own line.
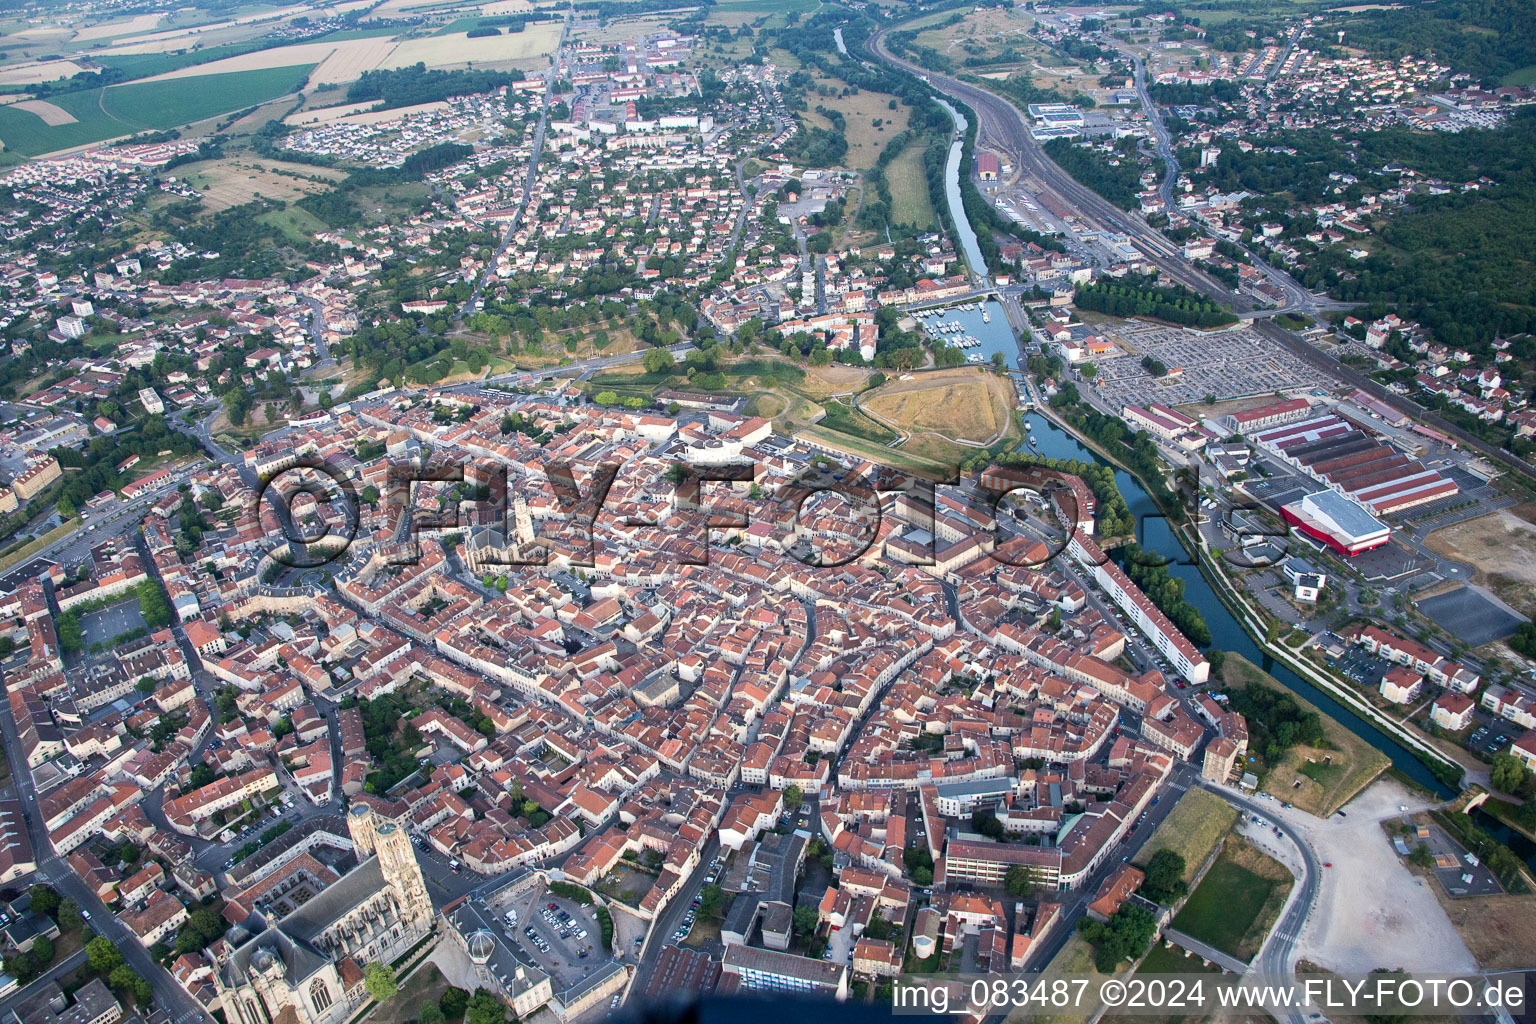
point(1336, 451)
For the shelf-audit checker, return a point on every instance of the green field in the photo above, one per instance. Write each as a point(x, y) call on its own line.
point(1192, 830)
point(1162, 960)
point(295, 222)
point(1228, 907)
point(143, 106)
point(1520, 76)
point(910, 202)
point(144, 65)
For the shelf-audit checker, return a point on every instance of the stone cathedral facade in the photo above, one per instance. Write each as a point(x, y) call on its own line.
point(307, 968)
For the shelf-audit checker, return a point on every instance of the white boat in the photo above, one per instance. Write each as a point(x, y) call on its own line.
point(986, 317)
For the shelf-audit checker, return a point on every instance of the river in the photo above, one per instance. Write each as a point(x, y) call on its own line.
point(967, 239)
point(1154, 531)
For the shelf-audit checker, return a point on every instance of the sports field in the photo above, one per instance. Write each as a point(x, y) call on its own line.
point(142, 106)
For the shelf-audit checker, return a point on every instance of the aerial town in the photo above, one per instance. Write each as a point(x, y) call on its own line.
point(525, 511)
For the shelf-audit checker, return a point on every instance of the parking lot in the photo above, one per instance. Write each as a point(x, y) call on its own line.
point(101, 626)
point(1469, 616)
point(556, 935)
point(1493, 737)
point(1363, 667)
point(1228, 364)
point(1459, 872)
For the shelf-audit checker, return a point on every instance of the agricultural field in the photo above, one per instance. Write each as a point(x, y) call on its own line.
point(1237, 901)
point(284, 56)
point(232, 182)
point(142, 106)
point(1195, 827)
point(535, 44)
point(910, 201)
point(966, 404)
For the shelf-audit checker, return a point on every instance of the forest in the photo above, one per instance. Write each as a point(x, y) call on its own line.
point(1488, 39)
point(407, 86)
point(1276, 722)
point(1139, 296)
point(1118, 183)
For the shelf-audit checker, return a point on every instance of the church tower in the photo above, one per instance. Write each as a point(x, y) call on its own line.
point(360, 824)
point(397, 862)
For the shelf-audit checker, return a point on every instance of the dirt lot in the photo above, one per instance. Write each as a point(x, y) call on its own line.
point(226, 183)
point(966, 404)
point(1501, 548)
point(1499, 930)
point(1369, 899)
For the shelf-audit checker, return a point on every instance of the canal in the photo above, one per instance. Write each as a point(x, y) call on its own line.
point(1154, 532)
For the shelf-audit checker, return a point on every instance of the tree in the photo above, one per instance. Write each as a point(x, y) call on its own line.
point(793, 795)
point(658, 360)
point(124, 980)
point(379, 980)
point(103, 956)
point(1508, 774)
point(805, 920)
point(1019, 881)
point(1526, 815)
point(69, 917)
point(1392, 1012)
point(430, 1014)
point(711, 898)
point(1165, 877)
point(453, 1002)
point(21, 966)
point(42, 950)
point(485, 1008)
point(1124, 935)
point(44, 899)
point(986, 823)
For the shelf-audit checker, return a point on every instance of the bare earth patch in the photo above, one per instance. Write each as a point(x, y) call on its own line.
point(1499, 930)
point(51, 114)
point(1369, 899)
point(1501, 548)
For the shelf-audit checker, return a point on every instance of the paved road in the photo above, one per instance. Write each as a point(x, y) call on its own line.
point(57, 970)
point(663, 927)
point(533, 174)
point(170, 996)
point(1278, 954)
